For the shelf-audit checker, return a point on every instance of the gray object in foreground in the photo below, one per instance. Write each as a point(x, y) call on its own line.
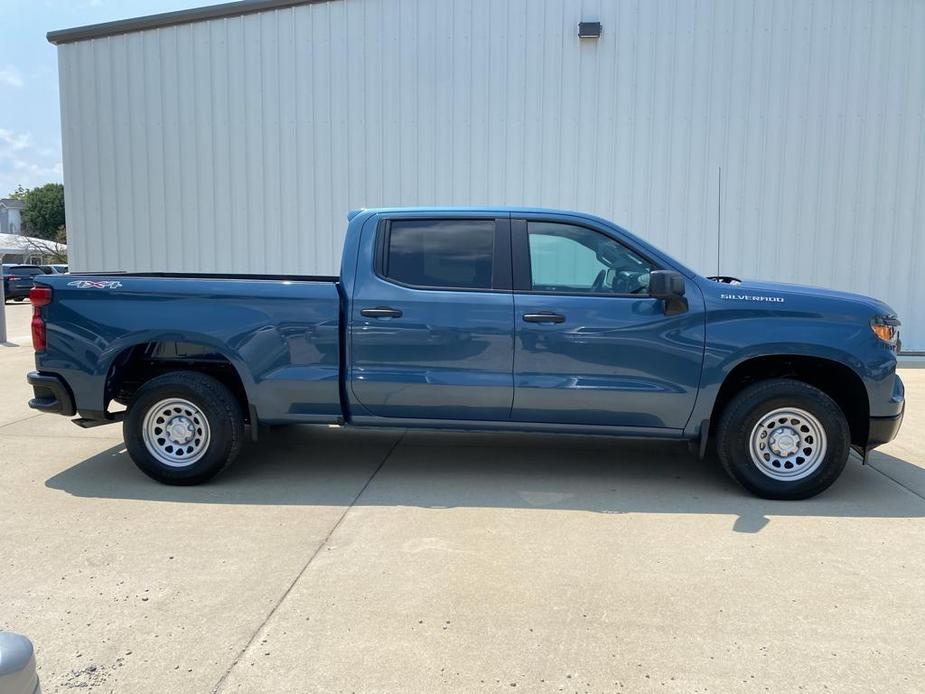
point(17, 665)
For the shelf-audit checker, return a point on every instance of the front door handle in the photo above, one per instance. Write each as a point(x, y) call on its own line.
point(544, 317)
point(381, 312)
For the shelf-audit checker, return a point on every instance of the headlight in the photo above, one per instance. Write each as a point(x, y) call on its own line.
point(886, 328)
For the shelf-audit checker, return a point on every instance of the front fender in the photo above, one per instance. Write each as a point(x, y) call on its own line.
point(853, 346)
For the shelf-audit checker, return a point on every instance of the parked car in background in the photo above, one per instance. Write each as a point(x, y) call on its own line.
point(484, 319)
point(54, 269)
point(17, 280)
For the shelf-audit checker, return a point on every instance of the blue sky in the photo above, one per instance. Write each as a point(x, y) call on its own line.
point(30, 127)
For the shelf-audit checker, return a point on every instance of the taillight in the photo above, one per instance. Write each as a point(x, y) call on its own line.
point(39, 296)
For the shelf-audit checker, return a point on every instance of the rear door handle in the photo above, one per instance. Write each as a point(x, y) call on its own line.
point(381, 312)
point(544, 317)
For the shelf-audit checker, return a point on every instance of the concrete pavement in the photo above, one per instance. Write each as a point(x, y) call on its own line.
point(339, 561)
point(18, 315)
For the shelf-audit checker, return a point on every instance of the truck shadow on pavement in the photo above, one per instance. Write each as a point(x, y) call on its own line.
point(331, 467)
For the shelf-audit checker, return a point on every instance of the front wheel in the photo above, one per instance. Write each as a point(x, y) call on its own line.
point(183, 427)
point(783, 439)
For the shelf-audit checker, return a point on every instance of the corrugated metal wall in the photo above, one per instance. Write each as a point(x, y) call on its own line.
point(239, 144)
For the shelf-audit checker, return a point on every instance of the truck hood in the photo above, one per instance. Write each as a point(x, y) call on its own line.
point(767, 291)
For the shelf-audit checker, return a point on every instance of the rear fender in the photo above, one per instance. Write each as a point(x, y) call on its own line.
point(117, 348)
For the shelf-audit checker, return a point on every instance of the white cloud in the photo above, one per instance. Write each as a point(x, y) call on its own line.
point(37, 171)
point(24, 163)
point(71, 4)
point(10, 76)
point(14, 142)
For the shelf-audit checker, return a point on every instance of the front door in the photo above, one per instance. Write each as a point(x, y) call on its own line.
point(591, 347)
point(432, 327)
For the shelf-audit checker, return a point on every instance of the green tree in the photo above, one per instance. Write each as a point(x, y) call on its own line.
point(19, 193)
point(43, 211)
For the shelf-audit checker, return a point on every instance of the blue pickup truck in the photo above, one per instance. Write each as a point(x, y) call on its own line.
point(477, 319)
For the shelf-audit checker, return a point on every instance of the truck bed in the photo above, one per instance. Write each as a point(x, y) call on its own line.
point(280, 333)
point(213, 276)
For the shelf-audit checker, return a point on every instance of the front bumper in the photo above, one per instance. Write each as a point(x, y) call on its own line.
point(885, 425)
point(51, 394)
point(884, 429)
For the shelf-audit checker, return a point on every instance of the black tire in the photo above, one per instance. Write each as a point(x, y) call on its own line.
point(749, 407)
point(213, 399)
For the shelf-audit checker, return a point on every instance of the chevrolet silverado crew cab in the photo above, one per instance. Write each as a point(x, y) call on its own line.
point(477, 319)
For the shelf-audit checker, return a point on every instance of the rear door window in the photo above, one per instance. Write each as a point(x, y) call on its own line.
point(440, 254)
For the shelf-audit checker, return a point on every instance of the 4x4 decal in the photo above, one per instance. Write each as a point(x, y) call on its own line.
point(95, 284)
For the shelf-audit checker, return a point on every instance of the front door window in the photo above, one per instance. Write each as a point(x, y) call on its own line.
point(571, 259)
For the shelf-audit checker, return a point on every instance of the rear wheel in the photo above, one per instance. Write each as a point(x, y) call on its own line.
point(783, 439)
point(183, 428)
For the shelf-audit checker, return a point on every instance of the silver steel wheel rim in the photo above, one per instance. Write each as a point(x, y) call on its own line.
point(176, 432)
point(787, 444)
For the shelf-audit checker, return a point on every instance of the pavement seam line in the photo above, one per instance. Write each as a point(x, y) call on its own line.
point(221, 683)
point(18, 421)
point(896, 481)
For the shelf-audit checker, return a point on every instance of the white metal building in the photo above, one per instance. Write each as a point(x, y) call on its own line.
point(783, 140)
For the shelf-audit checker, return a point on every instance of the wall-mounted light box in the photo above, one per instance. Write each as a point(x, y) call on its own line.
point(589, 30)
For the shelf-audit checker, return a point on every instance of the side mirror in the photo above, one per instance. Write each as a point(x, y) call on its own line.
point(669, 286)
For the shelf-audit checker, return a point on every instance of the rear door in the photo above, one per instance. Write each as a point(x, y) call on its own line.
point(431, 324)
point(591, 346)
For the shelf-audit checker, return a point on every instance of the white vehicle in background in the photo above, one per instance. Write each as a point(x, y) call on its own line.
point(17, 665)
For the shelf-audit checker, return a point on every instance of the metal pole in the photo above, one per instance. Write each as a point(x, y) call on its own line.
point(2, 304)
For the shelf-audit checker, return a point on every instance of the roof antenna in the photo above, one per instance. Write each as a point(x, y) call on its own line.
point(719, 216)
